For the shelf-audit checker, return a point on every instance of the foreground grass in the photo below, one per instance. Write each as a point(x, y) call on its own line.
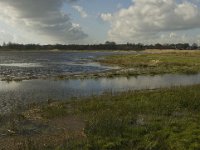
point(156, 62)
point(142, 120)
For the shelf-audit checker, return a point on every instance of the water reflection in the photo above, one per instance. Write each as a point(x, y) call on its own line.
point(41, 90)
point(22, 65)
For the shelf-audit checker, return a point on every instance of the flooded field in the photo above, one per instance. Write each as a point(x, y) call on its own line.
point(40, 105)
point(48, 64)
point(30, 65)
point(21, 93)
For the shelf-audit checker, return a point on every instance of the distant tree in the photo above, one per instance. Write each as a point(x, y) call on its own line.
point(4, 44)
point(158, 46)
point(182, 46)
point(110, 43)
point(194, 46)
point(186, 46)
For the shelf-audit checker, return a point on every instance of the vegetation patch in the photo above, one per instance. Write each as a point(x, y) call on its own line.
point(150, 119)
point(155, 62)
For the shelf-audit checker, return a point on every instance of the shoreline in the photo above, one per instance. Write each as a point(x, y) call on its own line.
point(148, 62)
point(137, 115)
point(123, 72)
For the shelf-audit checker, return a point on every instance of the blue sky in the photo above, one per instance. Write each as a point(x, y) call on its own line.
point(93, 25)
point(94, 21)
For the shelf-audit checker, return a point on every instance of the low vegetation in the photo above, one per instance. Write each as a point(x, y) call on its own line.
point(108, 45)
point(155, 62)
point(141, 120)
point(148, 62)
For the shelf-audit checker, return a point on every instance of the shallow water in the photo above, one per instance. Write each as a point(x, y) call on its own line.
point(47, 64)
point(21, 93)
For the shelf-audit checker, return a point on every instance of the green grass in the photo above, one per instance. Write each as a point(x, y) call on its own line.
point(156, 63)
point(159, 119)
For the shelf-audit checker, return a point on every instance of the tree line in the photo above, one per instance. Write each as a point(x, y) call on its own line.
point(106, 46)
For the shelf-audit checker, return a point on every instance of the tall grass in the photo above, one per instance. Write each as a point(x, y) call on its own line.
point(158, 119)
point(142, 120)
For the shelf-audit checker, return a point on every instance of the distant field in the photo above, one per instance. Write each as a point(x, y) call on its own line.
point(156, 62)
point(170, 51)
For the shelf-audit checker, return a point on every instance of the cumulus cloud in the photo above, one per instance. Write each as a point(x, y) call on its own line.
point(6, 37)
point(81, 11)
point(106, 16)
point(44, 18)
point(148, 20)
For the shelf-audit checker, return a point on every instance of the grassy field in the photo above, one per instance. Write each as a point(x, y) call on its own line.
point(155, 62)
point(142, 120)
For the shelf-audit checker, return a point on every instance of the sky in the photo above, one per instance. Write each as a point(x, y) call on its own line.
point(96, 21)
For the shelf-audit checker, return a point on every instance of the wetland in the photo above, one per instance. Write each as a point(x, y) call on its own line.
point(99, 100)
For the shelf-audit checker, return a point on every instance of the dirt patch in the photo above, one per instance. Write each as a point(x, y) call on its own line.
point(69, 123)
point(58, 132)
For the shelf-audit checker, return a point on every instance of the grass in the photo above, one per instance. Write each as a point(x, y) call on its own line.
point(156, 62)
point(148, 62)
point(142, 120)
point(161, 119)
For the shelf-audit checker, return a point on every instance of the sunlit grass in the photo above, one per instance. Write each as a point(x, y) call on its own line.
point(156, 63)
point(141, 120)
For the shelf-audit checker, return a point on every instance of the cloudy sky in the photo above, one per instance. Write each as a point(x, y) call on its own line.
point(96, 21)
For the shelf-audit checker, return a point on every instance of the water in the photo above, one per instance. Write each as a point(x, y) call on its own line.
point(47, 64)
point(41, 90)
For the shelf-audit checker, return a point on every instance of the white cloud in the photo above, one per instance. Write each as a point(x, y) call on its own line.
point(177, 38)
point(6, 37)
point(147, 20)
point(187, 11)
point(42, 20)
point(81, 11)
point(106, 16)
point(172, 35)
